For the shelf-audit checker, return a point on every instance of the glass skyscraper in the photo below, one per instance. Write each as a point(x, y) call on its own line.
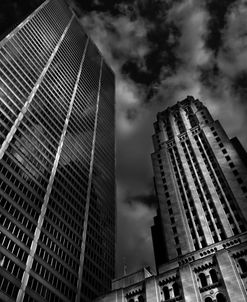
point(57, 161)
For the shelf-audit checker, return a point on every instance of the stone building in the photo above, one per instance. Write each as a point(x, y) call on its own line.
point(199, 233)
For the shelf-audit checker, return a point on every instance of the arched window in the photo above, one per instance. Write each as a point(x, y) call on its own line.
point(208, 299)
point(175, 289)
point(166, 293)
point(203, 279)
point(243, 265)
point(220, 298)
point(213, 275)
point(140, 299)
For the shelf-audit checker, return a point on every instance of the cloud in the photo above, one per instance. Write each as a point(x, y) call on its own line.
point(134, 245)
point(162, 51)
point(149, 200)
point(191, 20)
point(121, 39)
point(224, 79)
point(233, 56)
point(217, 10)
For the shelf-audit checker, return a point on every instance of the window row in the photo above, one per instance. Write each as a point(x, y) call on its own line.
point(53, 280)
point(171, 292)
point(13, 248)
point(20, 201)
point(23, 180)
point(8, 207)
point(57, 250)
point(8, 288)
point(65, 242)
point(15, 230)
point(56, 265)
point(219, 298)
point(204, 279)
point(41, 290)
point(68, 230)
point(12, 268)
point(75, 221)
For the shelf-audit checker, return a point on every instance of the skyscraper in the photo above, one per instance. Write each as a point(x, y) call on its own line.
point(201, 184)
point(57, 161)
point(199, 233)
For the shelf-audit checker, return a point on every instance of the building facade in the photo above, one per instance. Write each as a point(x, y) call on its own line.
point(57, 161)
point(199, 233)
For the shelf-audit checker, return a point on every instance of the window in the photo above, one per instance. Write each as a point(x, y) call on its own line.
point(203, 242)
point(224, 151)
point(228, 158)
point(231, 165)
point(140, 299)
point(244, 189)
point(208, 299)
point(220, 298)
point(243, 265)
point(203, 280)
point(235, 172)
point(166, 293)
point(176, 289)
point(213, 275)
point(239, 180)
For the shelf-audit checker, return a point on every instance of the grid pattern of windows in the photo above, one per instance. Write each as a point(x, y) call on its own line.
point(203, 192)
point(55, 114)
point(100, 232)
point(225, 195)
point(188, 202)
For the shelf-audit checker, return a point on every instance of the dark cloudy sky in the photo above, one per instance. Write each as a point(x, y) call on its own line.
point(161, 51)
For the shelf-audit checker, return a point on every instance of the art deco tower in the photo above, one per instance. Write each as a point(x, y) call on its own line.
point(201, 184)
point(57, 161)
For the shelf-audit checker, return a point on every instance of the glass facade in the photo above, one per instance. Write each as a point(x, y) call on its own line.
point(57, 161)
